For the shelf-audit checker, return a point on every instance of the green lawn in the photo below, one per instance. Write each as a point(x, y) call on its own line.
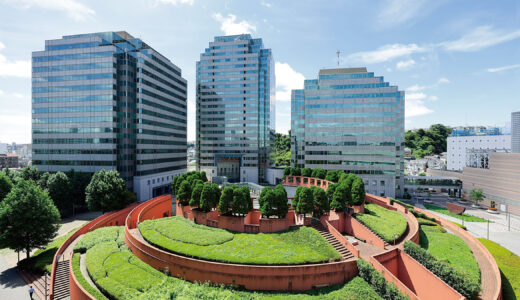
point(121, 275)
point(296, 246)
point(386, 223)
point(509, 265)
point(41, 260)
point(467, 218)
point(451, 249)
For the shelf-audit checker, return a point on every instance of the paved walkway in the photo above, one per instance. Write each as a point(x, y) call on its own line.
point(12, 285)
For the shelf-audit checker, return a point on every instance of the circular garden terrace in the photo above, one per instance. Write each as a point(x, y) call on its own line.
point(152, 259)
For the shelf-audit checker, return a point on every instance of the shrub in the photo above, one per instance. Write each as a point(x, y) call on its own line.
point(409, 206)
point(460, 225)
point(385, 289)
point(421, 215)
point(464, 285)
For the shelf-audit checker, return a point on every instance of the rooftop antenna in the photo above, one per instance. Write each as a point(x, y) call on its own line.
point(338, 52)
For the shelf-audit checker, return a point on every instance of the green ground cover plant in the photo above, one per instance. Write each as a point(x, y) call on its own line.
point(460, 225)
point(41, 260)
point(462, 283)
point(451, 249)
point(386, 223)
point(104, 234)
point(467, 218)
point(509, 264)
point(385, 289)
point(121, 275)
point(82, 281)
point(295, 246)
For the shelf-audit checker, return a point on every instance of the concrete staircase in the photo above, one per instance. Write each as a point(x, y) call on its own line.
point(61, 283)
point(333, 241)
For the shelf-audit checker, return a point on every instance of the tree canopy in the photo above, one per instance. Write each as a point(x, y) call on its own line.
point(281, 154)
point(321, 202)
point(305, 201)
point(426, 142)
point(319, 173)
point(107, 191)
point(226, 199)
point(184, 192)
point(195, 194)
point(59, 188)
point(357, 192)
point(5, 185)
point(30, 173)
point(209, 197)
point(273, 202)
point(28, 218)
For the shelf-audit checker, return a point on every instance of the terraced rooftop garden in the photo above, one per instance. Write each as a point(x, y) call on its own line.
point(442, 210)
point(120, 275)
point(386, 223)
point(296, 246)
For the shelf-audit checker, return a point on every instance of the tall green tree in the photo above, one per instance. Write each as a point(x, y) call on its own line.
point(321, 202)
point(5, 185)
point(267, 202)
point(339, 198)
point(195, 194)
point(333, 175)
point(11, 174)
point(44, 178)
point(184, 192)
point(296, 198)
point(296, 172)
point(287, 171)
point(240, 202)
point(209, 197)
point(59, 188)
point(28, 218)
point(307, 172)
point(246, 193)
point(107, 191)
point(281, 202)
point(318, 173)
point(30, 173)
point(226, 199)
point(358, 192)
point(305, 202)
point(330, 191)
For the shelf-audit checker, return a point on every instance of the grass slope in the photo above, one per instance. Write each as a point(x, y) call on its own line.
point(121, 275)
point(451, 249)
point(41, 260)
point(467, 218)
point(383, 221)
point(509, 265)
point(296, 246)
point(82, 281)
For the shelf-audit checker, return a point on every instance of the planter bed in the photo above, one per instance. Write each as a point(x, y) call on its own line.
point(467, 218)
point(384, 222)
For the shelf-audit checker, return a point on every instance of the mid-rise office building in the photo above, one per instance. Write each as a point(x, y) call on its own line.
point(467, 146)
point(348, 119)
point(235, 108)
point(109, 101)
point(515, 132)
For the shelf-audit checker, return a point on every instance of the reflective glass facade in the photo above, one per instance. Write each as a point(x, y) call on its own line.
point(351, 120)
point(108, 101)
point(235, 108)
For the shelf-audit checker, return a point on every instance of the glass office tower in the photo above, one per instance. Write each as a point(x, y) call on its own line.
point(109, 101)
point(235, 108)
point(349, 119)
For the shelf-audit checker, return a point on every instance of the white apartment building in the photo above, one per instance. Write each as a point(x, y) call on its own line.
point(458, 146)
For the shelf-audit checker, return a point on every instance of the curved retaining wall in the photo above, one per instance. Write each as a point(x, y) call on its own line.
point(77, 292)
point(252, 277)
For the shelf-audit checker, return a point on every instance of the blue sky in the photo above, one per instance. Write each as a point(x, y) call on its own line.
point(458, 61)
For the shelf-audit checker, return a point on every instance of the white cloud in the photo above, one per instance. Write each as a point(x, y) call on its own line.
point(480, 38)
point(230, 27)
point(74, 10)
point(414, 106)
point(266, 4)
point(287, 79)
point(384, 53)
point(16, 68)
point(504, 68)
point(405, 64)
point(433, 98)
point(443, 80)
point(394, 12)
point(175, 2)
point(416, 88)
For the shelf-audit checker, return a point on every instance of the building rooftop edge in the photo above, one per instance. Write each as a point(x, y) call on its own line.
point(342, 71)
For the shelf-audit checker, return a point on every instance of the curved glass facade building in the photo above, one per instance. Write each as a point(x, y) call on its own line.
point(348, 119)
point(235, 108)
point(109, 101)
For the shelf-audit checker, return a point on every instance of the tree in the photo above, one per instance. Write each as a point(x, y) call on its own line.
point(209, 197)
point(296, 198)
point(79, 182)
point(59, 188)
point(339, 197)
point(247, 197)
point(28, 218)
point(281, 154)
point(5, 186)
point(296, 172)
point(203, 176)
point(240, 202)
point(287, 171)
point(318, 173)
point(321, 202)
point(195, 194)
point(12, 175)
point(184, 192)
point(30, 173)
point(44, 178)
point(268, 199)
point(332, 175)
point(281, 204)
point(357, 192)
point(330, 191)
point(106, 191)
point(476, 195)
point(307, 172)
point(306, 202)
point(226, 200)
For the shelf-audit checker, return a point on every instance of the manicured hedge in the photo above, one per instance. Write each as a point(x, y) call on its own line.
point(451, 249)
point(383, 222)
point(460, 225)
point(82, 281)
point(426, 222)
point(385, 289)
point(467, 218)
point(121, 275)
point(421, 215)
point(466, 286)
point(104, 234)
point(295, 246)
point(190, 233)
point(509, 264)
point(392, 200)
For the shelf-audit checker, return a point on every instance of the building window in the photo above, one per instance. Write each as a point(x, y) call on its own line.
point(153, 181)
point(382, 183)
point(374, 182)
point(148, 182)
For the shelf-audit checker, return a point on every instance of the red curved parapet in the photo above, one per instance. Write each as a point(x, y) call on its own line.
point(108, 219)
point(77, 292)
point(455, 209)
point(253, 277)
point(490, 273)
